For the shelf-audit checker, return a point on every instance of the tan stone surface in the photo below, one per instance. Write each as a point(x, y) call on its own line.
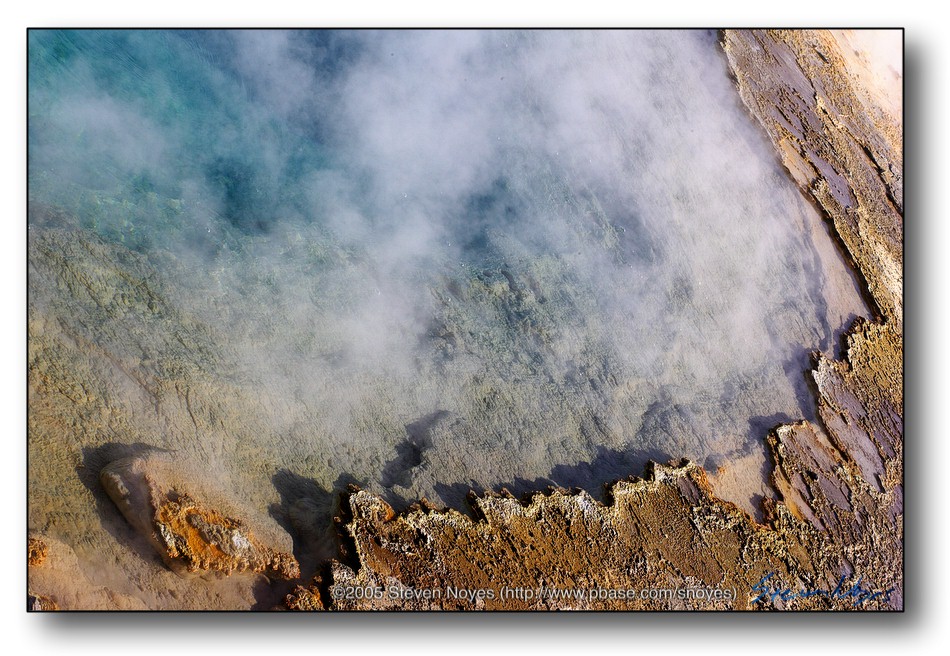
point(837, 140)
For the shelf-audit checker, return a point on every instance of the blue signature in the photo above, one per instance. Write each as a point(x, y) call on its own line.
point(856, 592)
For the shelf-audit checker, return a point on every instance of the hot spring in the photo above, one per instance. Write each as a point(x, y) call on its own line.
point(420, 261)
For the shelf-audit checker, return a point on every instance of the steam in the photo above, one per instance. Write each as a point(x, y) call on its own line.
point(465, 258)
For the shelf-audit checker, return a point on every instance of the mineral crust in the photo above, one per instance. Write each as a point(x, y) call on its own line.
point(190, 538)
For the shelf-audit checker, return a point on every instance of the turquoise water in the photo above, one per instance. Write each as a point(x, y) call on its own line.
point(151, 141)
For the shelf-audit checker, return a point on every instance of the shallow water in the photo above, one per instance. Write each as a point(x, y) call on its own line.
point(420, 261)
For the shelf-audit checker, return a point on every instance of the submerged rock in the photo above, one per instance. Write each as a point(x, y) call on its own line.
point(190, 537)
point(60, 582)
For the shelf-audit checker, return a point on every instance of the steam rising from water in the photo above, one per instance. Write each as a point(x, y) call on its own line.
point(452, 259)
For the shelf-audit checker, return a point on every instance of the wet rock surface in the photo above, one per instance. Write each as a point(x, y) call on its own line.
point(838, 141)
point(190, 537)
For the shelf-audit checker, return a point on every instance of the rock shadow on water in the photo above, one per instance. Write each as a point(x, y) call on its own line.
point(306, 512)
point(798, 369)
point(311, 516)
point(409, 452)
point(760, 427)
point(594, 477)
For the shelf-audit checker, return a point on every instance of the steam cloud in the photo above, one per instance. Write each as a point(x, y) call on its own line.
point(455, 258)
